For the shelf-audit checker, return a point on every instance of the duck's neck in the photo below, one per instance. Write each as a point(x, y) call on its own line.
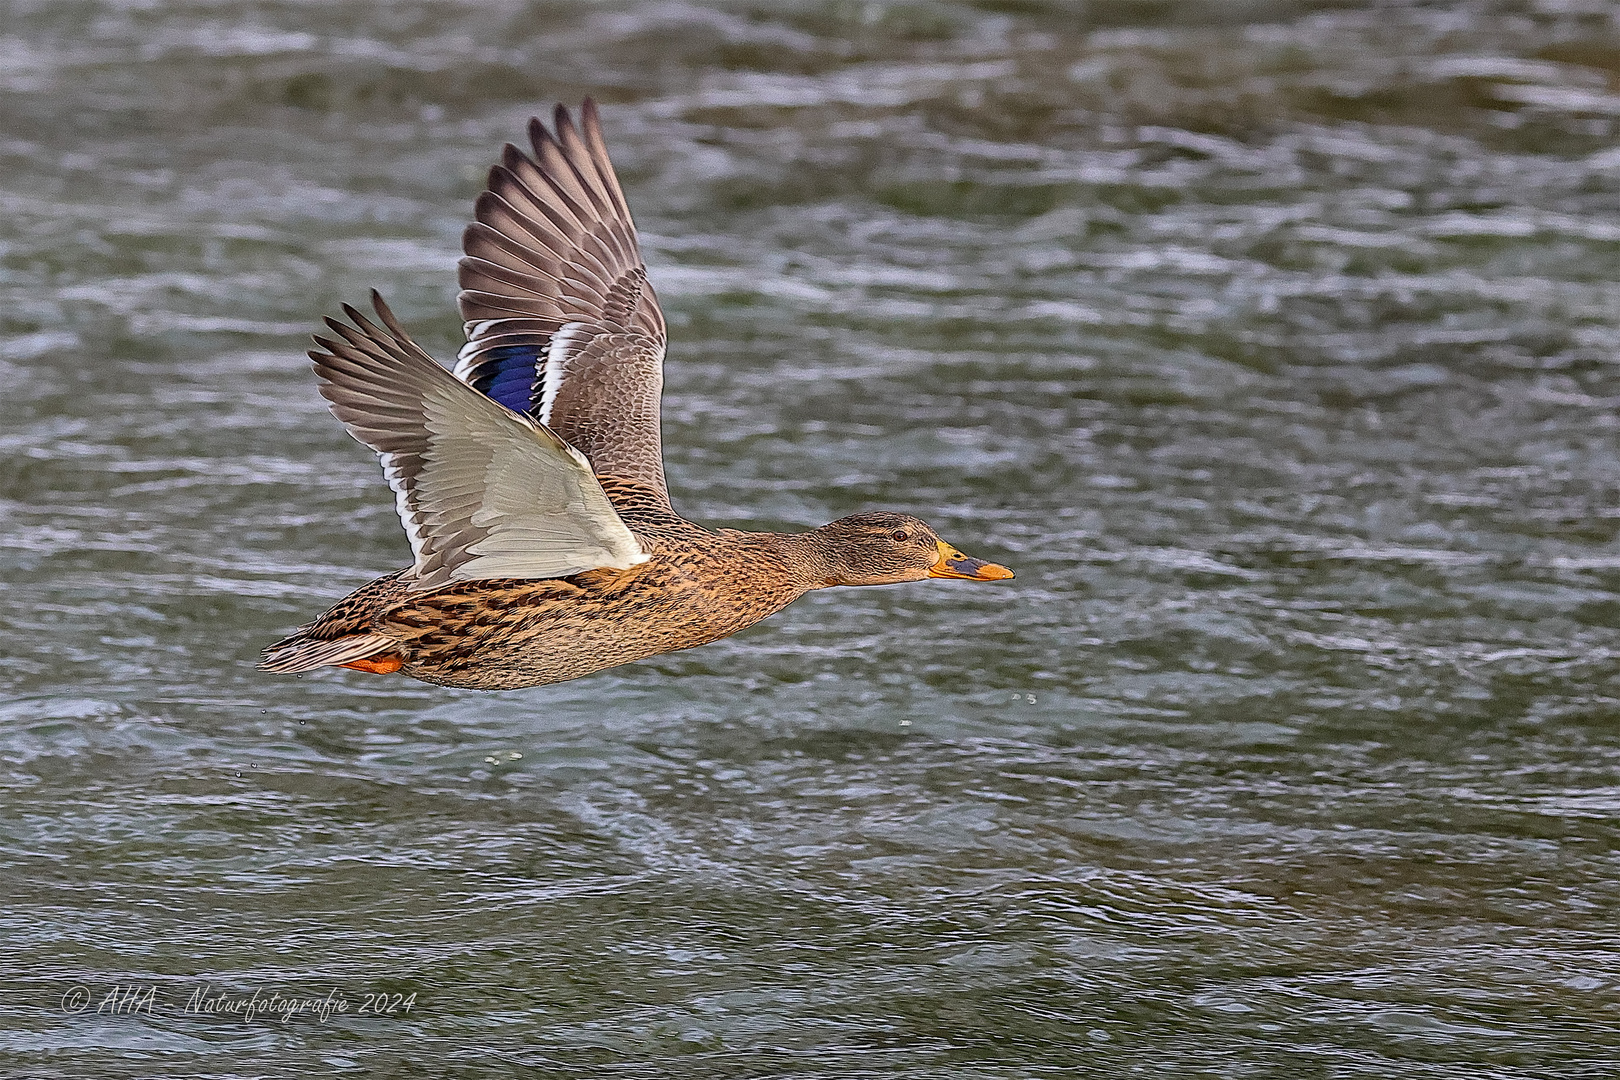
point(805, 559)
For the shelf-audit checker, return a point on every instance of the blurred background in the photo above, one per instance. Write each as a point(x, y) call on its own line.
point(1273, 344)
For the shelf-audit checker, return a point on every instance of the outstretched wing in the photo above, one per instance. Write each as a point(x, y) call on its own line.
point(561, 323)
point(483, 491)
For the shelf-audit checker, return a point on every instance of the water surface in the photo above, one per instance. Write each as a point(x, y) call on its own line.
point(1272, 343)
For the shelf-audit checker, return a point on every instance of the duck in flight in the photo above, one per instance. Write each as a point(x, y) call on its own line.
point(531, 479)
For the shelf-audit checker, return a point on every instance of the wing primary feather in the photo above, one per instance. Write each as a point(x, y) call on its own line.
point(592, 124)
point(574, 149)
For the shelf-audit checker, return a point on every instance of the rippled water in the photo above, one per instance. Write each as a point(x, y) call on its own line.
point(1272, 343)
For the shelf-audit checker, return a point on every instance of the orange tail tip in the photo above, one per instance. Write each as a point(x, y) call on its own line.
point(377, 665)
point(368, 652)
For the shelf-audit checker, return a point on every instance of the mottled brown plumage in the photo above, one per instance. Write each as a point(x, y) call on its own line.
point(531, 481)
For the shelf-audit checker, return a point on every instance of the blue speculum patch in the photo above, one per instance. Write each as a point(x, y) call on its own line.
point(510, 379)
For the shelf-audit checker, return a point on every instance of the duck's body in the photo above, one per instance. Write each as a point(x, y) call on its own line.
point(531, 482)
point(546, 630)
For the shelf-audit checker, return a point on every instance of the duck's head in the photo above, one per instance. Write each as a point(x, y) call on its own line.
point(886, 549)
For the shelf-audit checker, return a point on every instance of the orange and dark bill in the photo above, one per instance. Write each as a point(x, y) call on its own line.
point(954, 564)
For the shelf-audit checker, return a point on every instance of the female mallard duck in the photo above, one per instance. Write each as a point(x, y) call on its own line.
point(531, 481)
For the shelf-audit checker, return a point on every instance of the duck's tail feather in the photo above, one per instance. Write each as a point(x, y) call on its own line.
point(300, 653)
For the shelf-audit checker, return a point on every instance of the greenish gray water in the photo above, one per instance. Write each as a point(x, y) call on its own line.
point(1272, 343)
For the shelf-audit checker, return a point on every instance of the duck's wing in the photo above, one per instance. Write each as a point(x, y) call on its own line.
point(561, 323)
point(484, 492)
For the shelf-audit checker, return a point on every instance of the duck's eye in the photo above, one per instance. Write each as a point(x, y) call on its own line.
point(901, 536)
